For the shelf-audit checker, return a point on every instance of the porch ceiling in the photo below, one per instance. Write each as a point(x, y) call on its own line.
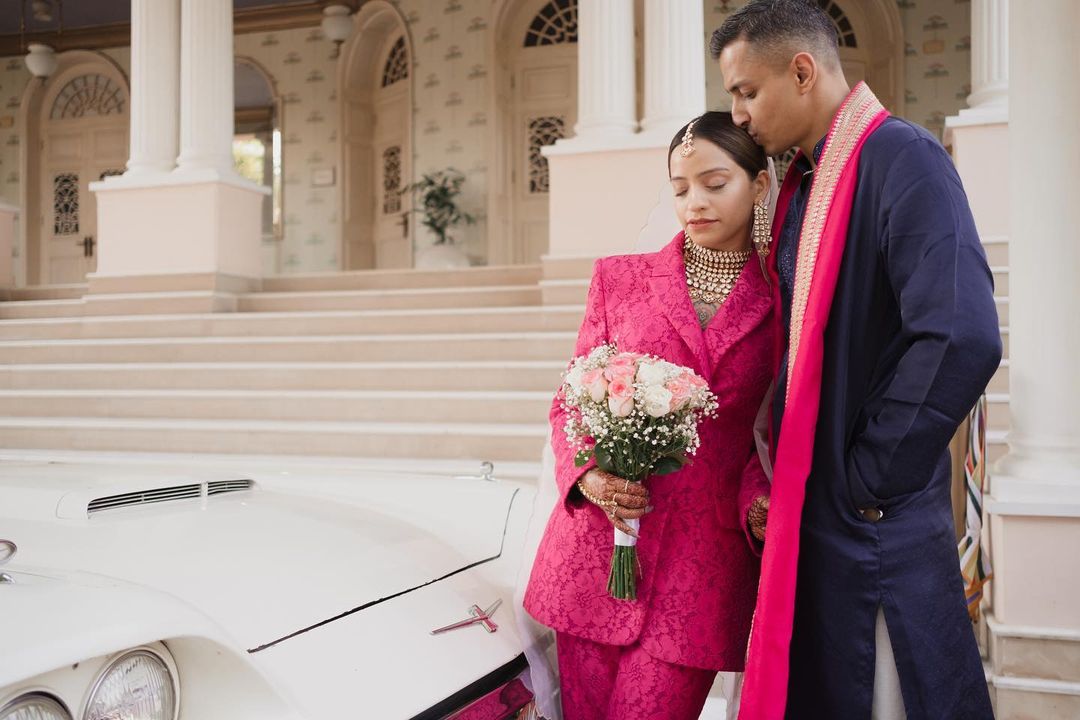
point(93, 13)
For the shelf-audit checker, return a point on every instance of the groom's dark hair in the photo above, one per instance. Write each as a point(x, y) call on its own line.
point(780, 29)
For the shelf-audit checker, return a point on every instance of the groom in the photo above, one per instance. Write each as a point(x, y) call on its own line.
point(891, 336)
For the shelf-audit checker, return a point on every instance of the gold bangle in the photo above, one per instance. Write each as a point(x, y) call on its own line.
point(592, 498)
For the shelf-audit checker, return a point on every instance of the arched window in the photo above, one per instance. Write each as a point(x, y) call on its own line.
point(397, 64)
point(542, 131)
point(66, 204)
point(88, 96)
point(392, 180)
point(555, 24)
point(845, 33)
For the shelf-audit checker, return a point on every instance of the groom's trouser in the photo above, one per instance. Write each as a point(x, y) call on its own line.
point(614, 682)
point(888, 702)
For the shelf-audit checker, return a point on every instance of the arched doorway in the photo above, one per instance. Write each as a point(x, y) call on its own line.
point(257, 148)
point(376, 100)
point(535, 105)
point(77, 133)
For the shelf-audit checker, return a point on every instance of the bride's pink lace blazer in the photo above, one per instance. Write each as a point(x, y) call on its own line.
point(699, 563)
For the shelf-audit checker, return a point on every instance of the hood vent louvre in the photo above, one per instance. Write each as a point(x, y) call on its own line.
point(144, 497)
point(218, 487)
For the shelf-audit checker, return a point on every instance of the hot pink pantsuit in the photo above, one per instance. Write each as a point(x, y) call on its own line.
point(699, 563)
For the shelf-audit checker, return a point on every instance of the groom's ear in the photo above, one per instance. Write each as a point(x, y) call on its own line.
point(805, 71)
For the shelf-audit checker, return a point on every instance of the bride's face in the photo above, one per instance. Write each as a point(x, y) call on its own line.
point(714, 196)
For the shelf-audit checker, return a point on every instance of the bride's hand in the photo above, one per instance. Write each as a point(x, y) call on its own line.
point(758, 516)
point(619, 499)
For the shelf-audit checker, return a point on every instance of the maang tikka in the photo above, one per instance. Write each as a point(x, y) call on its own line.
point(688, 138)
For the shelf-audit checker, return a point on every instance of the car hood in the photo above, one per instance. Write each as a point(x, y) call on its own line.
point(291, 554)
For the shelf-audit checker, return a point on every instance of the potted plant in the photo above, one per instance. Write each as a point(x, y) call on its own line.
point(437, 193)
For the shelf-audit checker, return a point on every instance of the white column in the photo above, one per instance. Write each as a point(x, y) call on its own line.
point(206, 87)
point(155, 86)
point(989, 54)
point(674, 64)
point(605, 68)
point(1044, 257)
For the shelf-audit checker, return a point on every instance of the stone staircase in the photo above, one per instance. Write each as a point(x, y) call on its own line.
point(454, 365)
point(424, 365)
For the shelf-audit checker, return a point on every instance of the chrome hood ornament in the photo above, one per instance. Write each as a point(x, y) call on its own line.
point(7, 551)
point(477, 617)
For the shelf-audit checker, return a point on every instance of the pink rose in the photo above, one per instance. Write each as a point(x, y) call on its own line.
point(625, 372)
point(620, 397)
point(595, 383)
point(681, 391)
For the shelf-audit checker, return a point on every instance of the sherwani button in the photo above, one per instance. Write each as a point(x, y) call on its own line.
point(872, 514)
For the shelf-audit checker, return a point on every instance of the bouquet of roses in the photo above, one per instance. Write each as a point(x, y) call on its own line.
point(637, 415)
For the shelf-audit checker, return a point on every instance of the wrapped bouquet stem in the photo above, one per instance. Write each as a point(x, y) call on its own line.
point(637, 415)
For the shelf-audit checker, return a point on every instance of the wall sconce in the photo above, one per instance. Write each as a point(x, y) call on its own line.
point(337, 26)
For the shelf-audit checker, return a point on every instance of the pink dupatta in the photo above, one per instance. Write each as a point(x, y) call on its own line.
point(821, 249)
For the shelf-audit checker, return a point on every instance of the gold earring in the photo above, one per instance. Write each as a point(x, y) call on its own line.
point(762, 237)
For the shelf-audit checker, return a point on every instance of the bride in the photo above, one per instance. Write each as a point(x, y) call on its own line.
point(704, 301)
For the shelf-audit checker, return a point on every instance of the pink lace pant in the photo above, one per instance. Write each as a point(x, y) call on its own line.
point(612, 682)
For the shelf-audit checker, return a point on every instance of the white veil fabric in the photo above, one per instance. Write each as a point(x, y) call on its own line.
point(538, 640)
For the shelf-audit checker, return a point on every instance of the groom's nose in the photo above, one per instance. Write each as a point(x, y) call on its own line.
point(738, 112)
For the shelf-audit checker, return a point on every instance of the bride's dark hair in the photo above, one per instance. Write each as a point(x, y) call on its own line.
point(719, 129)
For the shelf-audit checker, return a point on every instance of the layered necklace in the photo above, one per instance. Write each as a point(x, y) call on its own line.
point(711, 274)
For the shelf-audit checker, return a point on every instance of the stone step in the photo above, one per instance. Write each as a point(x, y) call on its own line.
point(283, 405)
point(399, 279)
point(1001, 280)
point(41, 309)
point(497, 442)
point(1002, 304)
point(997, 251)
point(47, 292)
point(999, 383)
point(997, 411)
point(348, 322)
point(420, 298)
point(401, 375)
point(321, 348)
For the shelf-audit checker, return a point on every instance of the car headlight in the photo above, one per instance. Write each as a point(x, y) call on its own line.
point(34, 706)
point(135, 686)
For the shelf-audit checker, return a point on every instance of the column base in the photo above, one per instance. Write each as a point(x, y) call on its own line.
point(176, 243)
point(1034, 626)
point(1035, 671)
point(182, 293)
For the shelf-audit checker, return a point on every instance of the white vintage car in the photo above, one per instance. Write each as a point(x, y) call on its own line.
point(140, 593)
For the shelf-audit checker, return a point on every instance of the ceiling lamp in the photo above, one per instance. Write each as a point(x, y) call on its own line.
point(337, 26)
point(40, 60)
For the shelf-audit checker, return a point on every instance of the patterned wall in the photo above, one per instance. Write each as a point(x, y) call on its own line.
point(450, 79)
point(938, 63)
point(450, 76)
point(13, 79)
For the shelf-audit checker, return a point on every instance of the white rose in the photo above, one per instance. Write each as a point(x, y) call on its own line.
point(657, 401)
point(573, 377)
point(650, 373)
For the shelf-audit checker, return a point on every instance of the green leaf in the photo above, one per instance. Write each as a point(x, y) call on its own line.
point(667, 465)
point(582, 458)
point(604, 460)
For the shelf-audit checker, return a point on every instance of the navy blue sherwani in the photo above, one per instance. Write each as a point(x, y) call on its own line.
point(911, 343)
